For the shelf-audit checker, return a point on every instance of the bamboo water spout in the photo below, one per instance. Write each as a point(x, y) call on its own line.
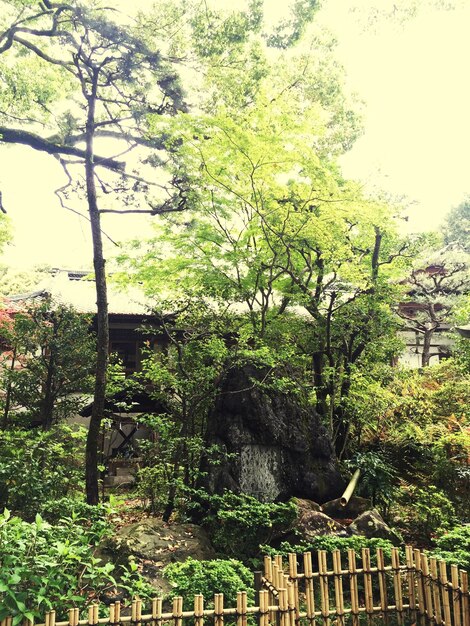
point(350, 488)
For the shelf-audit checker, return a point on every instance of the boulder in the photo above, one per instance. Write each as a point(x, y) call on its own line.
point(371, 525)
point(355, 507)
point(276, 447)
point(155, 544)
point(312, 523)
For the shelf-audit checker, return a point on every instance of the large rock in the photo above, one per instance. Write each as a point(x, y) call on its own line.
point(370, 524)
point(355, 507)
point(155, 544)
point(277, 448)
point(311, 522)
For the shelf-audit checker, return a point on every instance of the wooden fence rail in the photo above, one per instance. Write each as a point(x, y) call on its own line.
point(289, 597)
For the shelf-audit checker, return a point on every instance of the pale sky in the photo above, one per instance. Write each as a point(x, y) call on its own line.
point(414, 80)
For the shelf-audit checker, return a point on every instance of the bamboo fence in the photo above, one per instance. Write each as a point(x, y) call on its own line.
point(286, 596)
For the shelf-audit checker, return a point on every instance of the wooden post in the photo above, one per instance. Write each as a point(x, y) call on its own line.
point(427, 586)
point(177, 611)
point(435, 590)
point(74, 615)
point(294, 576)
point(263, 608)
point(199, 610)
point(444, 583)
point(324, 593)
point(420, 582)
point(268, 568)
point(157, 611)
point(291, 604)
point(309, 590)
point(136, 614)
point(456, 600)
point(219, 608)
point(283, 608)
point(337, 570)
point(410, 569)
point(241, 608)
point(369, 599)
point(382, 576)
point(117, 611)
point(397, 579)
point(353, 583)
point(465, 602)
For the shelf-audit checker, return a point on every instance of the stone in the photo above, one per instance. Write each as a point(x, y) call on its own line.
point(311, 523)
point(155, 544)
point(355, 507)
point(371, 525)
point(277, 448)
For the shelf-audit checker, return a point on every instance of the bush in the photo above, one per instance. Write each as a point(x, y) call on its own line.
point(54, 462)
point(238, 524)
point(330, 543)
point(454, 547)
point(209, 577)
point(45, 567)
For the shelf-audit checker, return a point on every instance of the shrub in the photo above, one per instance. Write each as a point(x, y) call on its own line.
point(454, 547)
point(209, 577)
point(238, 524)
point(45, 567)
point(54, 460)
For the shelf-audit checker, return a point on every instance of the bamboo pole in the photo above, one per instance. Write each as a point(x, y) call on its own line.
point(382, 580)
point(278, 561)
point(456, 600)
point(339, 594)
point(465, 602)
point(268, 568)
point(419, 582)
point(177, 611)
point(427, 586)
point(291, 604)
point(353, 582)
point(283, 608)
point(117, 611)
point(410, 569)
point(309, 589)
point(199, 610)
point(294, 576)
point(324, 595)
point(241, 608)
point(263, 608)
point(368, 595)
point(74, 615)
point(136, 611)
point(435, 590)
point(397, 579)
point(445, 591)
point(50, 619)
point(157, 605)
point(219, 609)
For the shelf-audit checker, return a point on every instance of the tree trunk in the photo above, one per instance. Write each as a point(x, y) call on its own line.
point(426, 355)
point(92, 489)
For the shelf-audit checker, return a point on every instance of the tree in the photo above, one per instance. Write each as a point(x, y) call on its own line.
point(456, 227)
point(434, 287)
point(111, 80)
point(52, 355)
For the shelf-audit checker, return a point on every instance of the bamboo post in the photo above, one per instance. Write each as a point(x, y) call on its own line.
point(74, 615)
point(177, 611)
point(382, 580)
point(268, 568)
point(456, 603)
point(275, 580)
point(435, 590)
point(278, 561)
point(199, 610)
point(427, 586)
point(157, 611)
point(444, 583)
point(219, 608)
point(352, 570)
point(241, 608)
point(263, 608)
point(309, 590)
point(117, 611)
point(368, 594)
point(324, 594)
point(465, 602)
point(419, 582)
point(339, 597)
point(136, 611)
point(397, 579)
point(49, 620)
point(283, 608)
point(294, 576)
point(410, 569)
point(291, 604)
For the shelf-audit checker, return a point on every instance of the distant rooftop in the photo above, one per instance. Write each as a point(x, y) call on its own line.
point(76, 288)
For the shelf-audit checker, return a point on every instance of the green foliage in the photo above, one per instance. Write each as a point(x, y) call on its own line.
point(51, 359)
point(454, 547)
point(330, 543)
point(208, 578)
point(428, 512)
point(378, 477)
point(45, 567)
point(238, 524)
point(40, 467)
